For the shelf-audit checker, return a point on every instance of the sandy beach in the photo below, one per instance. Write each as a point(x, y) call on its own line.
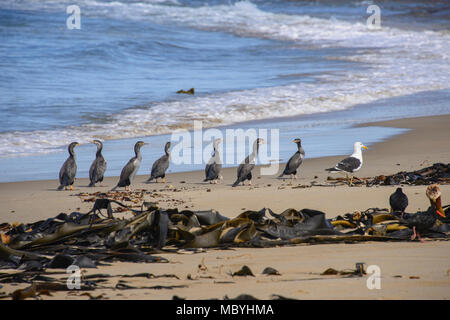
point(428, 264)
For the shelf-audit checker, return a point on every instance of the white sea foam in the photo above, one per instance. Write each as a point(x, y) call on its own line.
point(401, 62)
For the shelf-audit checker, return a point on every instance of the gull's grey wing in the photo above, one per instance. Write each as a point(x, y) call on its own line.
point(348, 164)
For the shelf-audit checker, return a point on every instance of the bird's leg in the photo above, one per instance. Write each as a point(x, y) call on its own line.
point(414, 233)
point(163, 180)
point(216, 181)
point(351, 180)
point(71, 188)
point(295, 176)
point(420, 239)
point(249, 182)
point(292, 179)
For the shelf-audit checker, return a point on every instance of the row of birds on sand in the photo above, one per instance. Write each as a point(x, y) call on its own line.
point(419, 222)
point(213, 168)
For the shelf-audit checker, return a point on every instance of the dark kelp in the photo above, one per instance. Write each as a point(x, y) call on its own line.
point(92, 239)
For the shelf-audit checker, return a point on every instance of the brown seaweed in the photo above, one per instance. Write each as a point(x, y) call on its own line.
point(93, 239)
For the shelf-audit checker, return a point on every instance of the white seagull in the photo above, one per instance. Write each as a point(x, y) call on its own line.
point(350, 164)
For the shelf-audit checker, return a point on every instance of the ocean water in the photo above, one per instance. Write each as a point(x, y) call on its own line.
point(314, 63)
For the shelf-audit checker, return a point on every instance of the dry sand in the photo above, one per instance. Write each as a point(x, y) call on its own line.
point(428, 142)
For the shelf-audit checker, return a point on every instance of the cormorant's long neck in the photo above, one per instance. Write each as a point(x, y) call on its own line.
point(216, 154)
point(137, 151)
point(99, 150)
point(300, 149)
point(254, 153)
point(71, 152)
point(167, 150)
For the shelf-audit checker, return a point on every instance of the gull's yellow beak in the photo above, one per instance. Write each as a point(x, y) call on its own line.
point(364, 147)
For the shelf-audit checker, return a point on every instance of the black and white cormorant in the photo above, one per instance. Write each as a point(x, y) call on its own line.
point(161, 165)
point(131, 168)
point(295, 161)
point(98, 166)
point(68, 169)
point(244, 171)
point(214, 165)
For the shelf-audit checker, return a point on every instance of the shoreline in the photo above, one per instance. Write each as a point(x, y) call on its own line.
point(409, 270)
point(323, 134)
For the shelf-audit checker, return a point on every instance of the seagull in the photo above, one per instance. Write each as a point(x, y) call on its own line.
point(350, 164)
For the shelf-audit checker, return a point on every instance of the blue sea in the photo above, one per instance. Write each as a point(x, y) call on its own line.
point(311, 69)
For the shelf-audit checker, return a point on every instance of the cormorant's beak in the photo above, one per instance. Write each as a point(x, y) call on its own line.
point(364, 147)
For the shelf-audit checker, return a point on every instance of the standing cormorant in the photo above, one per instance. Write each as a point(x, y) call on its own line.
point(351, 164)
point(398, 202)
point(98, 166)
point(131, 168)
point(161, 165)
point(423, 221)
point(295, 161)
point(244, 171)
point(214, 165)
point(68, 169)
